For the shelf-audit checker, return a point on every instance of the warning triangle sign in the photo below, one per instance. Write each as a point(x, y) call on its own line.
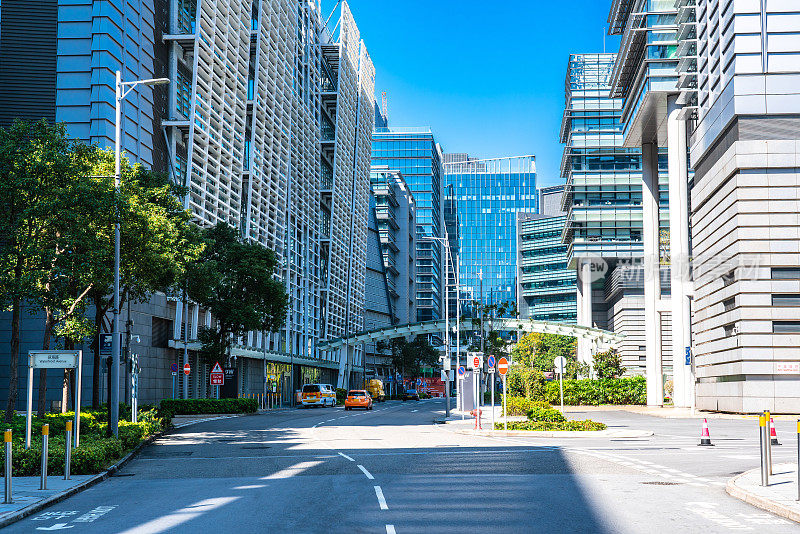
point(217, 368)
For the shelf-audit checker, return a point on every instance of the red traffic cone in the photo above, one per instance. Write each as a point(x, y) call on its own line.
point(705, 438)
point(773, 436)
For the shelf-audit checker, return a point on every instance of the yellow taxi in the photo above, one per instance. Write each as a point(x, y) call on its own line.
point(358, 398)
point(318, 395)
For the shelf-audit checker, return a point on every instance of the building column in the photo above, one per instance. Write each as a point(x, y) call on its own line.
point(652, 281)
point(683, 377)
point(584, 309)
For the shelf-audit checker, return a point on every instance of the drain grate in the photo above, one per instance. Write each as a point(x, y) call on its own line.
point(660, 483)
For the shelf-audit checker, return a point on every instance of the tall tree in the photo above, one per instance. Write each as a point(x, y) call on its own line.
point(410, 357)
point(157, 243)
point(39, 169)
point(537, 351)
point(235, 280)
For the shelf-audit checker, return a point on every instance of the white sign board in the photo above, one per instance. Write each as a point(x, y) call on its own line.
point(787, 368)
point(53, 359)
point(447, 364)
point(560, 364)
point(475, 360)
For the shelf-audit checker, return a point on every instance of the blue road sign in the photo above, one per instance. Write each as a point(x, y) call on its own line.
point(688, 355)
point(174, 367)
point(461, 370)
point(490, 361)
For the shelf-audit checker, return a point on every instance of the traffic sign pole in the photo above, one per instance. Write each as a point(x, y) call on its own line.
point(492, 375)
point(505, 413)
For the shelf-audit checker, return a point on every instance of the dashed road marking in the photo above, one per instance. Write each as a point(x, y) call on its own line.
point(381, 498)
point(390, 529)
point(343, 455)
point(367, 473)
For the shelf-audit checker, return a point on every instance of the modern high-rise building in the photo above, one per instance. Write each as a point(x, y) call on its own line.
point(416, 155)
point(453, 236)
point(546, 286)
point(267, 120)
point(489, 193)
point(395, 211)
point(603, 202)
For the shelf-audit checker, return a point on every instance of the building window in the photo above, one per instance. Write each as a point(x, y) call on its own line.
point(729, 304)
point(729, 278)
point(786, 300)
point(785, 273)
point(786, 327)
point(161, 332)
point(730, 329)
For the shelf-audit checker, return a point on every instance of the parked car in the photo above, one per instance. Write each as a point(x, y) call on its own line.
point(358, 398)
point(318, 395)
point(410, 394)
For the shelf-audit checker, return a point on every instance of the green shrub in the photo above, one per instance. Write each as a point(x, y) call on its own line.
point(341, 395)
point(522, 405)
point(525, 382)
point(629, 390)
point(549, 415)
point(131, 434)
point(172, 407)
point(586, 424)
point(95, 455)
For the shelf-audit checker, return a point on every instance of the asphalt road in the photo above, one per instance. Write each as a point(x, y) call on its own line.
point(394, 470)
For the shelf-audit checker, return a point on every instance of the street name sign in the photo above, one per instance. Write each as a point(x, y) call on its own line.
point(53, 359)
point(217, 376)
point(502, 366)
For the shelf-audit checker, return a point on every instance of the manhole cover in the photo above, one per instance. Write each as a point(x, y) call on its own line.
point(659, 483)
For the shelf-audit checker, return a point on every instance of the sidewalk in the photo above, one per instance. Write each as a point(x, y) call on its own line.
point(466, 426)
point(669, 412)
point(780, 497)
point(25, 492)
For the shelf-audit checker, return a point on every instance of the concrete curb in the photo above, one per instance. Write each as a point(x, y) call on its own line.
point(86, 484)
point(609, 434)
point(732, 489)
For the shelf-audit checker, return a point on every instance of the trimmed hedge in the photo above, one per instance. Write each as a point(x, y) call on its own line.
point(172, 407)
point(628, 390)
point(548, 415)
point(522, 405)
point(586, 424)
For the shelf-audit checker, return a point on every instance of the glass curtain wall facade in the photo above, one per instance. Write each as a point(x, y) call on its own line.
point(416, 155)
point(489, 193)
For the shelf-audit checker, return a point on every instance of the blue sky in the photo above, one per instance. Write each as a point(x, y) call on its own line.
point(487, 77)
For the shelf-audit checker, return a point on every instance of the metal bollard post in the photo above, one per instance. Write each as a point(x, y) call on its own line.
point(68, 451)
point(762, 450)
point(768, 442)
point(7, 440)
point(45, 438)
point(798, 459)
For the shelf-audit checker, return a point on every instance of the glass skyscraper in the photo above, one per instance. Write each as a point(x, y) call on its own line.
point(489, 193)
point(415, 153)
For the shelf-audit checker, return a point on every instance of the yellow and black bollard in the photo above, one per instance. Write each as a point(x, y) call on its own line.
point(45, 440)
point(7, 440)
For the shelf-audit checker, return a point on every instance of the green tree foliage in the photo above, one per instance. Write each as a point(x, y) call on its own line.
point(157, 241)
point(538, 351)
point(46, 203)
point(523, 381)
point(235, 281)
point(410, 357)
point(608, 364)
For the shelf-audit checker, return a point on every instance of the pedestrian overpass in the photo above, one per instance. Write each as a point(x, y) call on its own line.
point(596, 338)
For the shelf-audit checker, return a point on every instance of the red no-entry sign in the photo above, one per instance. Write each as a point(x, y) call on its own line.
point(502, 366)
point(187, 369)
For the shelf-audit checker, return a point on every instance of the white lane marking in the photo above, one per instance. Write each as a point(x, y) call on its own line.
point(251, 486)
point(412, 411)
point(343, 455)
point(390, 529)
point(217, 458)
point(57, 526)
point(381, 498)
point(367, 473)
point(167, 522)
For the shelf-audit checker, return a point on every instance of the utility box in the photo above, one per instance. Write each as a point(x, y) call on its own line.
point(230, 388)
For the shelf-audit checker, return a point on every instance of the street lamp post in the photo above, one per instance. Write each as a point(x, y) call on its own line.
point(121, 93)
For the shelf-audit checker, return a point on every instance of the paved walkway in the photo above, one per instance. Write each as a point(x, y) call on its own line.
point(25, 491)
point(780, 497)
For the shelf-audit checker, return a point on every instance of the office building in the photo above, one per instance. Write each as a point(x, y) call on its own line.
point(742, 135)
point(546, 286)
point(603, 205)
point(416, 155)
point(378, 301)
point(453, 234)
point(489, 193)
point(266, 120)
point(395, 212)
